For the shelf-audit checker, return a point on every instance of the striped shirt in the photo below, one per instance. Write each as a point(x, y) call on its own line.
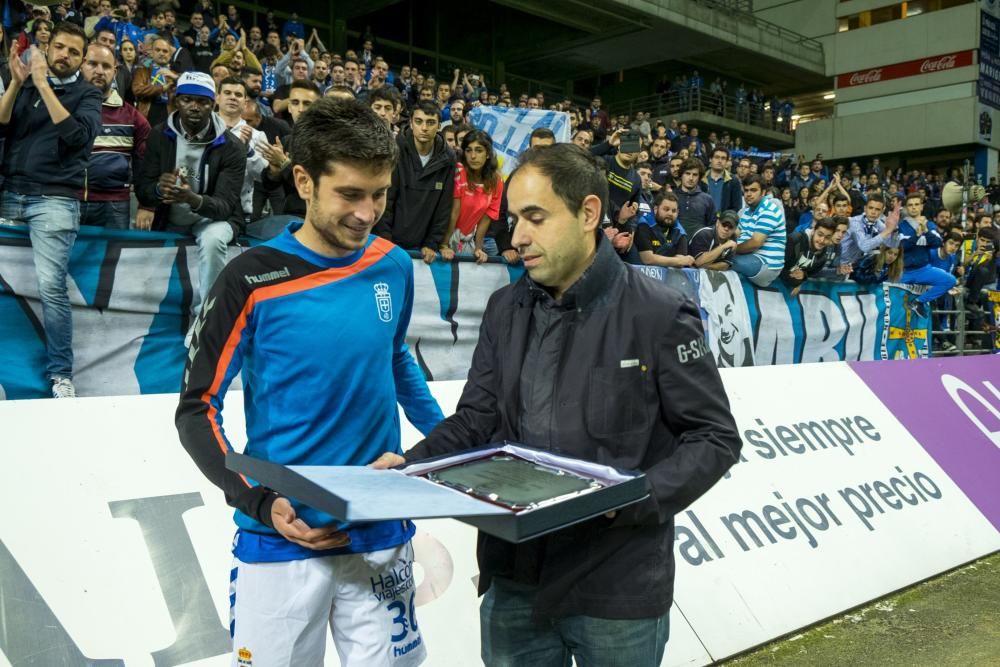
point(767, 218)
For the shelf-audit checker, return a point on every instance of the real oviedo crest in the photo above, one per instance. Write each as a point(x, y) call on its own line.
point(383, 301)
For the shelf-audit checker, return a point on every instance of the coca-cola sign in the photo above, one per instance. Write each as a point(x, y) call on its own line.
point(931, 65)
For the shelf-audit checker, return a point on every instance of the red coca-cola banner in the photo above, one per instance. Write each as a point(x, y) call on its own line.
point(909, 68)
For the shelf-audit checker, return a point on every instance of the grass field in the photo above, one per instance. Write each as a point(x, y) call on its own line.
point(953, 619)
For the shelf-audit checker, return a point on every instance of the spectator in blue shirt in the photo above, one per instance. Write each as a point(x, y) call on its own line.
point(760, 255)
point(726, 191)
point(293, 28)
point(918, 239)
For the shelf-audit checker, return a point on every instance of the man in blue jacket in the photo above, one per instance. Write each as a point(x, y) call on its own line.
point(918, 237)
point(49, 117)
point(726, 191)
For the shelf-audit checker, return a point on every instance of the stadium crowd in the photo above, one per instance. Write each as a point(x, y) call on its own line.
point(105, 102)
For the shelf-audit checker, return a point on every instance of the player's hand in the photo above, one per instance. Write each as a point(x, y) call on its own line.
point(428, 254)
point(144, 219)
point(296, 530)
point(386, 461)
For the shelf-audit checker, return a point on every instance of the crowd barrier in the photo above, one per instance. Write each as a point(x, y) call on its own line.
point(131, 293)
point(855, 480)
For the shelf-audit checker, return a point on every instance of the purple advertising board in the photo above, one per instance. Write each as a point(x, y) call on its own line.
point(952, 408)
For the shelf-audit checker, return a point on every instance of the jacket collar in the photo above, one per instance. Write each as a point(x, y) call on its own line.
point(113, 100)
point(726, 176)
point(595, 282)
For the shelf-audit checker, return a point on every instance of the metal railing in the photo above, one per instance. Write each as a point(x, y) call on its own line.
point(700, 100)
point(736, 10)
point(955, 338)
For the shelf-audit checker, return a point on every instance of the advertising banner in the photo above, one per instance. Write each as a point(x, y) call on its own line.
point(940, 63)
point(122, 555)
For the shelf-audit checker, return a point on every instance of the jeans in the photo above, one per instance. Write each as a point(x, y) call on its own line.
point(269, 227)
point(213, 237)
point(753, 268)
point(511, 639)
point(939, 280)
point(109, 214)
point(53, 224)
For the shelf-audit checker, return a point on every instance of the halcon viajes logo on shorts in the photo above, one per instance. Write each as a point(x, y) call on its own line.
point(383, 301)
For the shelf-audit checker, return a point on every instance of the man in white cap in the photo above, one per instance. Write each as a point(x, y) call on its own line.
point(192, 176)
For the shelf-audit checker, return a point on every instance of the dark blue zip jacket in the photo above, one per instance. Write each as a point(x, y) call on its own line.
point(916, 249)
point(43, 158)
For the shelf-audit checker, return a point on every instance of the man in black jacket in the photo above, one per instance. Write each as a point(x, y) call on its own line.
point(651, 401)
point(420, 199)
point(49, 117)
point(192, 177)
point(805, 253)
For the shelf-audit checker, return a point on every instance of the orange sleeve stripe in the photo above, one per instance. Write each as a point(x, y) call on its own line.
point(375, 251)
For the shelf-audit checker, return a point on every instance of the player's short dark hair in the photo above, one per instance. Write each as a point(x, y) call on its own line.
point(573, 172)
point(346, 131)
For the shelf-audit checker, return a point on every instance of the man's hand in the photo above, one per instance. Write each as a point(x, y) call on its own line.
point(654, 186)
point(273, 153)
point(686, 260)
point(511, 256)
point(615, 139)
point(797, 273)
point(622, 241)
point(174, 189)
point(429, 255)
point(610, 232)
point(168, 180)
point(845, 269)
point(169, 74)
point(296, 530)
point(18, 70)
point(480, 256)
point(729, 245)
point(892, 220)
point(447, 254)
point(387, 460)
point(795, 291)
point(39, 67)
point(144, 219)
point(245, 134)
point(627, 212)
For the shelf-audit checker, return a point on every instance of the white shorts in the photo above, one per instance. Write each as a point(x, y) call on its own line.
point(279, 611)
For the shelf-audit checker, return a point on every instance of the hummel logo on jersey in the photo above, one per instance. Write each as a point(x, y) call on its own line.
point(383, 301)
point(267, 277)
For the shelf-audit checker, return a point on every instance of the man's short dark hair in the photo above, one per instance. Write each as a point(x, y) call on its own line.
point(348, 131)
point(541, 133)
point(427, 108)
point(876, 197)
point(250, 70)
point(720, 149)
point(768, 165)
point(643, 165)
point(67, 28)
point(750, 179)
point(826, 223)
point(839, 196)
point(233, 81)
point(339, 88)
point(573, 172)
point(98, 33)
point(583, 129)
point(665, 195)
point(955, 235)
point(449, 129)
point(388, 94)
point(298, 60)
point(691, 164)
point(841, 220)
point(304, 84)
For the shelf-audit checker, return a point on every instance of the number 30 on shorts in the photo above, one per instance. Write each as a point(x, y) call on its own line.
point(399, 609)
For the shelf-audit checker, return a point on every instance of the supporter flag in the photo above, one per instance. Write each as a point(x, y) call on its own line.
point(511, 129)
point(907, 333)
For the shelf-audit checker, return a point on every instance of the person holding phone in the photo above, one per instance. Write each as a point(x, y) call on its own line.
point(624, 190)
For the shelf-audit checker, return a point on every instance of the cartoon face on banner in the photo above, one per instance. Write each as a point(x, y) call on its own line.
point(727, 321)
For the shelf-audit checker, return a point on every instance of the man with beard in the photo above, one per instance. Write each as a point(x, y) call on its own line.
point(659, 160)
point(760, 255)
point(663, 244)
point(418, 205)
point(118, 148)
point(298, 570)
point(49, 117)
point(624, 188)
point(192, 177)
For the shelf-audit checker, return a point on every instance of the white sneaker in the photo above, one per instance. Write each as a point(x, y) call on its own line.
point(63, 388)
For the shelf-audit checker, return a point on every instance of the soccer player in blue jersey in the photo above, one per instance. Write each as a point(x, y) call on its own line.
point(316, 321)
